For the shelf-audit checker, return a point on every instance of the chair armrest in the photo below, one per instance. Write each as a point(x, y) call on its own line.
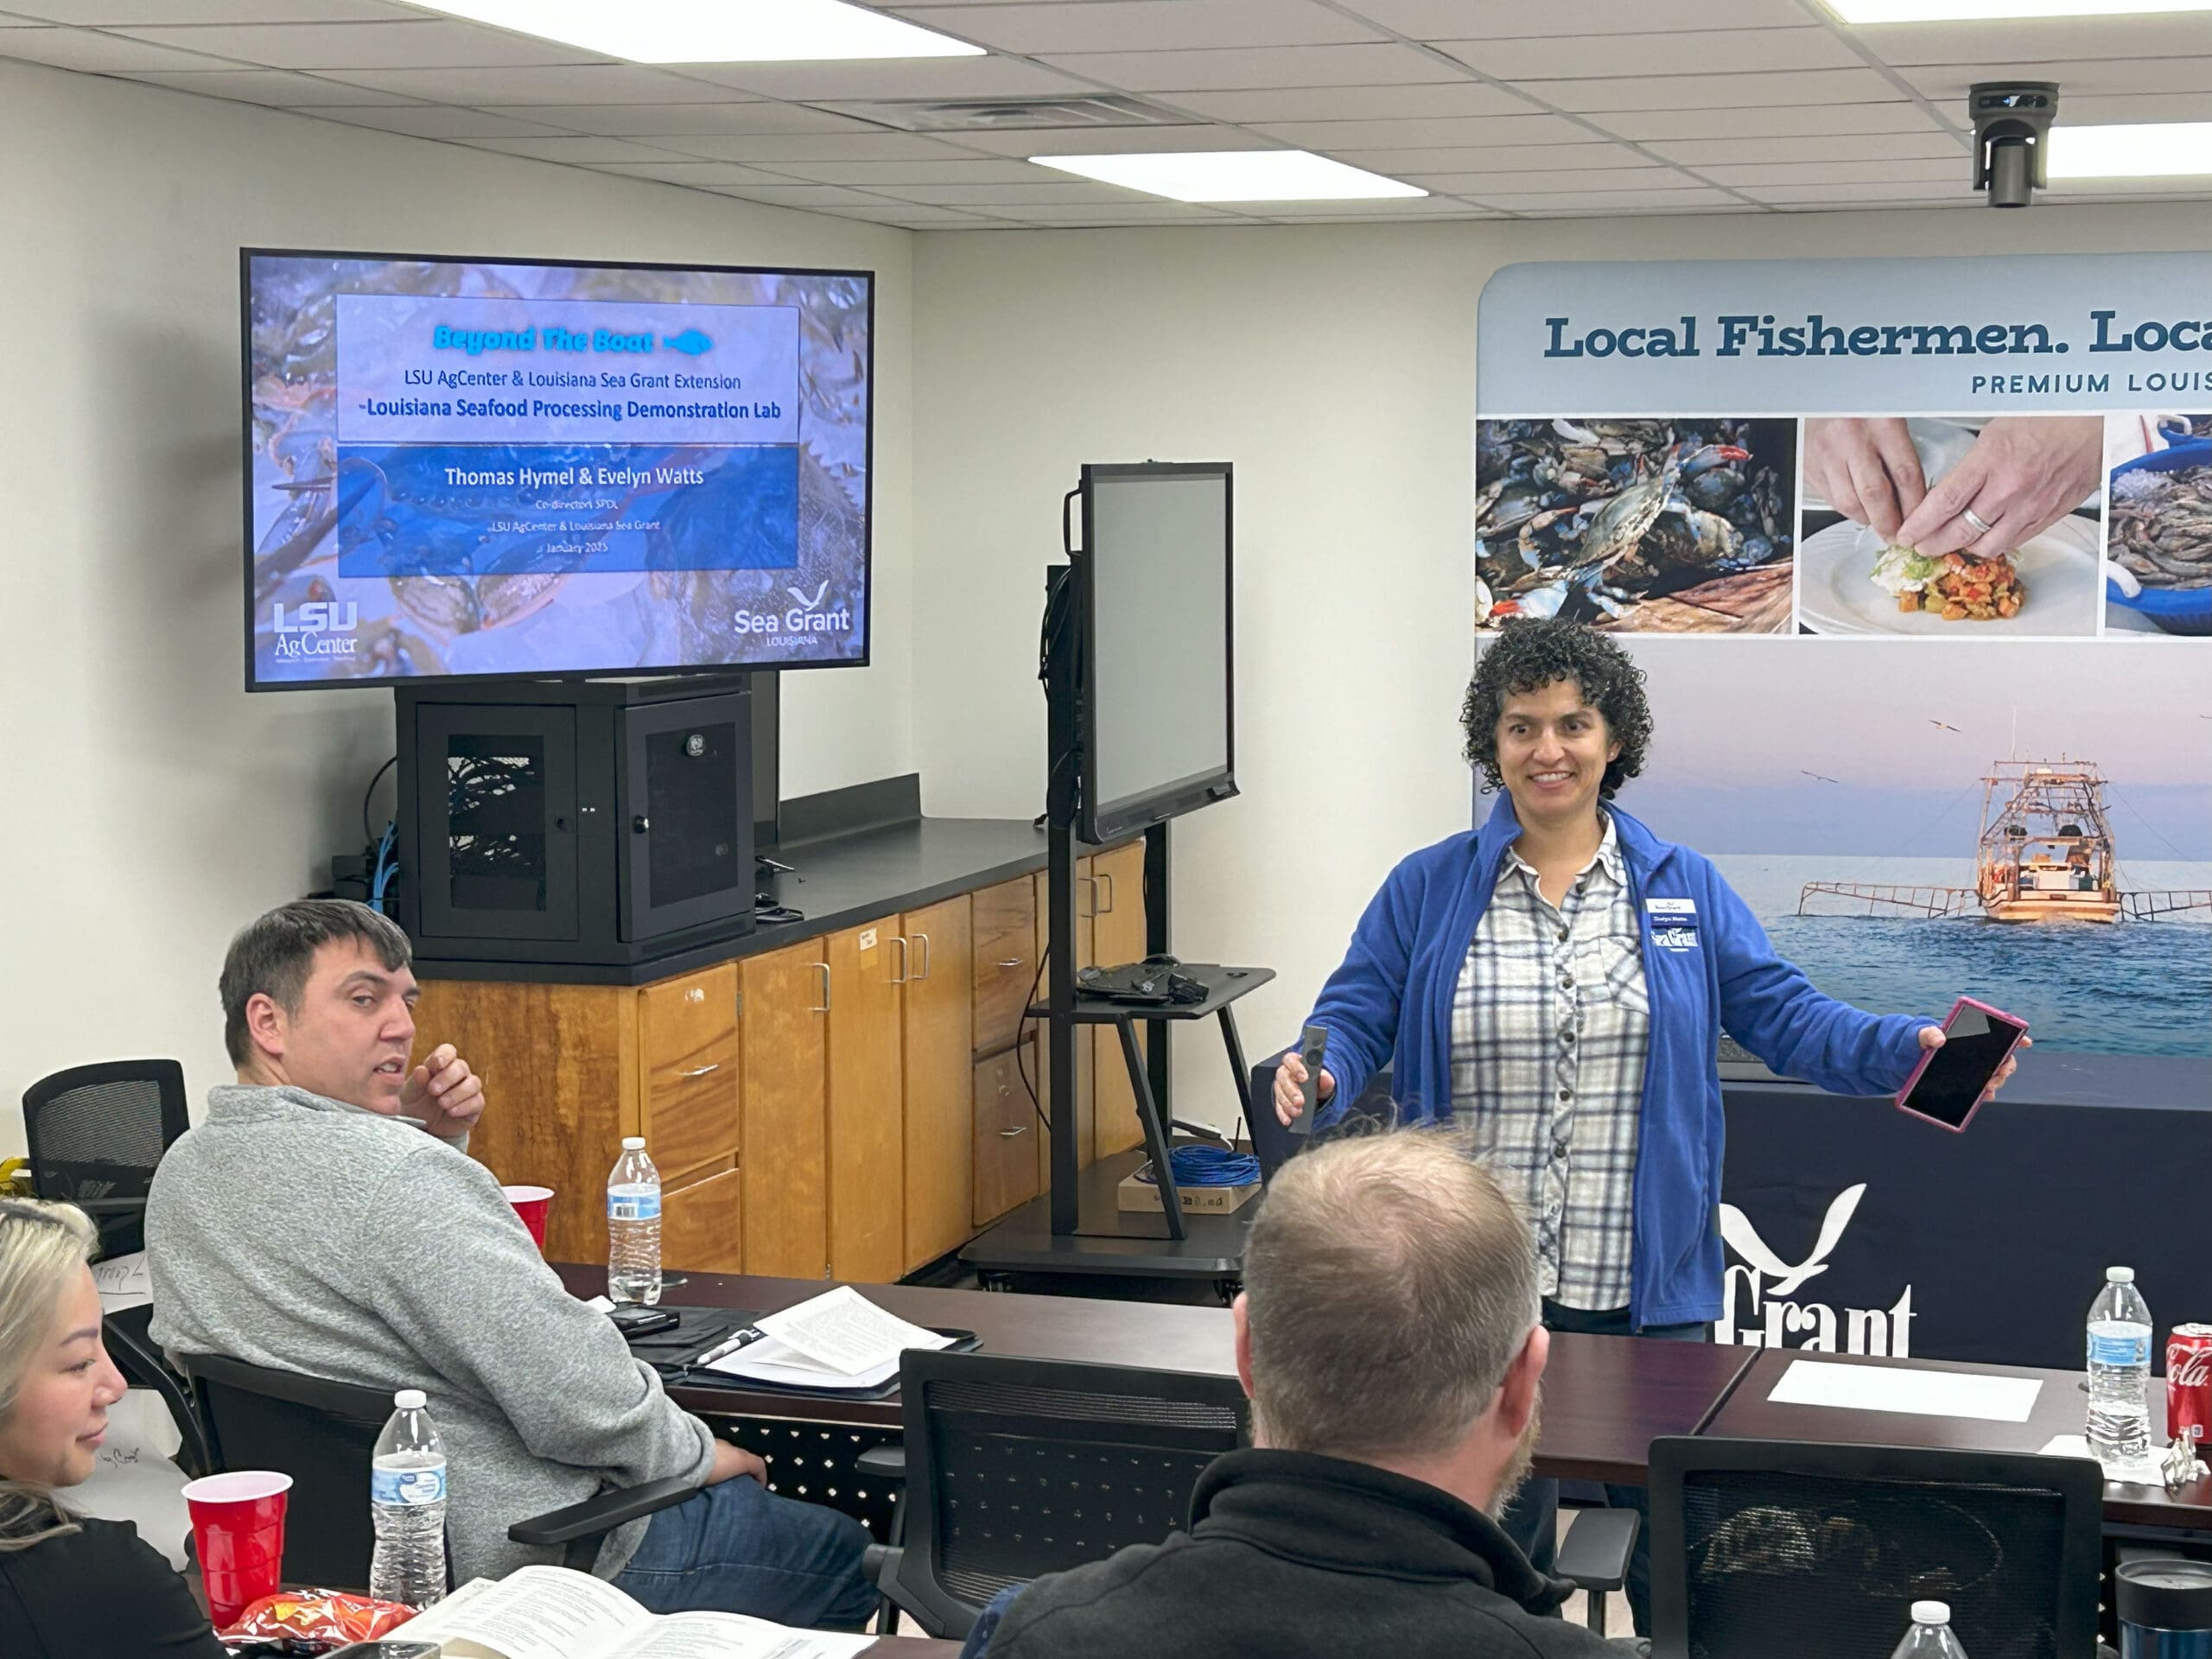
point(1594, 1548)
point(883, 1462)
point(596, 1515)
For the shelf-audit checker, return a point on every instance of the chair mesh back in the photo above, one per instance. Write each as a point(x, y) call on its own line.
point(1030, 1480)
point(97, 1133)
point(1814, 1565)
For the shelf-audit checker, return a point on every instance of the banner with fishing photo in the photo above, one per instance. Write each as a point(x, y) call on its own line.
point(1964, 505)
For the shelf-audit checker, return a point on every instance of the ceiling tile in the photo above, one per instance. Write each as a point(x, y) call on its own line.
point(2042, 39)
point(1709, 210)
point(913, 216)
point(1331, 138)
point(426, 45)
point(1110, 141)
point(579, 150)
point(1499, 158)
point(1684, 53)
point(1593, 200)
point(1827, 147)
point(1441, 99)
point(822, 196)
point(577, 83)
point(875, 175)
point(1047, 191)
point(441, 121)
point(1573, 23)
point(699, 175)
point(1779, 122)
point(1150, 25)
point(114, 14)
point(2157, 106)
point(1268, 66)
point(2104, 76)
point(100, 54)
point(1608, 180)
point(1957, 169)
point(769, 148)
point(1872, 194)
point(280, 88)
point(905, 78)
point(1138, 212)
point(1720, 92)
point(693, 120)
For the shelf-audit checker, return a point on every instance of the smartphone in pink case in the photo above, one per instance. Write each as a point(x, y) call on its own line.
point(1950, 1082)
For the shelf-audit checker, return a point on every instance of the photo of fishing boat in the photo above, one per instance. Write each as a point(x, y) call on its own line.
point(2046, 853)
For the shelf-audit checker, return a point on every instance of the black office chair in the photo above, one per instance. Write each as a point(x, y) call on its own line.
point(94, 1135)
point(1771, 1547)
point(131, 1345)
point(324, 1435)
point(1016, 1468)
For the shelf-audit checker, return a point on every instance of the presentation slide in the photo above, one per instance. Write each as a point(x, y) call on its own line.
point(489, 468)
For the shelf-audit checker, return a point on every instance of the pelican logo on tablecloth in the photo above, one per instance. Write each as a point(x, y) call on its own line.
point(1765, 1280)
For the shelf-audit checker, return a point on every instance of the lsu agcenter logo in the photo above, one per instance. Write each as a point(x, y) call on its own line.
point(314, 628)
point(1759, 1286)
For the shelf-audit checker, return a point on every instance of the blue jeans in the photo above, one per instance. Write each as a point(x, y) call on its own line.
point(1532, 1519)
point(737, 1547)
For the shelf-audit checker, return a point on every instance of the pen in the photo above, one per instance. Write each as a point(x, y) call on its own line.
point(750, 1334)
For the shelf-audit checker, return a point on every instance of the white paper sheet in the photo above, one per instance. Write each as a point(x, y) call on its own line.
point(125, 1281)
point(846, 1332)
point(2144, 1471)
point(1908, 1390)
point(134, 1476)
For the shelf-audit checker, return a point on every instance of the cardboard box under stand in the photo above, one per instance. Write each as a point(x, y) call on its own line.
point(1140, 1195)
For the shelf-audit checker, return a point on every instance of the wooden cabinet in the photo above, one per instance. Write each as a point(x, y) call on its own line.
point(867, 1185)
point(1005, 961)
point(936, 1024)
point(699, 1225)
point(784, 1158)
point(1006, 1134)
point(1119, 935)
point(689, 1077)
point(1085, 1096)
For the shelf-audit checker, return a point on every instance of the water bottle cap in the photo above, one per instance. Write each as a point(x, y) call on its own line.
point(633, 1143)
point(409, 1399)
point(1931, 1612)
point(2112, 1276)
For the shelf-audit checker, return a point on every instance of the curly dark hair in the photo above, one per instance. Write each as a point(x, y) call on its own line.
point(1534, 653)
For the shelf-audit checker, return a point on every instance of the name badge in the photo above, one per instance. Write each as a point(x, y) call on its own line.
point(1674, 922)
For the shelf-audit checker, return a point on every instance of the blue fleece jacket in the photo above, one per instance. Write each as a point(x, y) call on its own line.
point(1708, 967)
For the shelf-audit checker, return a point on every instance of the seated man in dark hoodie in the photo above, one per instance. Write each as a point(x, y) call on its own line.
point(1387, 1335)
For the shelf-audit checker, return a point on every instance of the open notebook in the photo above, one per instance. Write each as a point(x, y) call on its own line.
point(838, 1340)
point(549, 1612)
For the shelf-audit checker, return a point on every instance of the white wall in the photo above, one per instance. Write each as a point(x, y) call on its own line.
point(151, 806)
point(1335, 367)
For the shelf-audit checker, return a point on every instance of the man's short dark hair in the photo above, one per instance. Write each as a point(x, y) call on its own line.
point(274, 956)
point(1537, 652)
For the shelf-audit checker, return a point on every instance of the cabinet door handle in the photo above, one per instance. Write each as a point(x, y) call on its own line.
point(1106, 909)
point(922, 968)
point(822, 968)
point(901, 977)
point(1009, 961)
point(1090, 883)
point(703, 1070)
point(1009, 1134)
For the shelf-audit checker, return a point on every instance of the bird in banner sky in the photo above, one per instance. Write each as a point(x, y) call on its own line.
point(1817, 777)
point(1946, 725)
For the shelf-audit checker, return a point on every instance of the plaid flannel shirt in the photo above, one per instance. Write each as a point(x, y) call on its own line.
point(1550, 1025)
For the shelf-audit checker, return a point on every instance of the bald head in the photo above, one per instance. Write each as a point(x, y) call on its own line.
point(1390, 1284)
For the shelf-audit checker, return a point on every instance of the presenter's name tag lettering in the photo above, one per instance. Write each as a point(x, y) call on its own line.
point(1674, 922)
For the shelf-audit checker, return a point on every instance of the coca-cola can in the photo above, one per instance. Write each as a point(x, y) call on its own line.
point(2189, 1382)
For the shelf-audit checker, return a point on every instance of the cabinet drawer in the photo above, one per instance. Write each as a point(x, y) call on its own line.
point(702, 1226)
point(1007, 1133)
point(1005, 961)
point(688, 1061)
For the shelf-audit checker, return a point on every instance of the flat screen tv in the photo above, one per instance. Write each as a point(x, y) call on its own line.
point(505, 468)
point(1155, 589)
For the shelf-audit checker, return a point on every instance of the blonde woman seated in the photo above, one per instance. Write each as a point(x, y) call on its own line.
point(69, 1588)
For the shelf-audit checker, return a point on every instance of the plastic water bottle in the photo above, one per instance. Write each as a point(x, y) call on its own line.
point(1930, 1636)
point(634, 1226)
point(407, 1500)
point(2120, 1371)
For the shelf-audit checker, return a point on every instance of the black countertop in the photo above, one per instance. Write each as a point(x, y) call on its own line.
point(838, 882)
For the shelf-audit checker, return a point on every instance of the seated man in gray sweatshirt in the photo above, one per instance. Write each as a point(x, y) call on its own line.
point(325, 1217)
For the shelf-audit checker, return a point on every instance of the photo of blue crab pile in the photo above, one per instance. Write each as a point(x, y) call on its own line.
point(1661, 526)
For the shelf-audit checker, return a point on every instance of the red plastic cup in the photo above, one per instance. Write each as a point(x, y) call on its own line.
point(531, 1203)
point(238, 1529)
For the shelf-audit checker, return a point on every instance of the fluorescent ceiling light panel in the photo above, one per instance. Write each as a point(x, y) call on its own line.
point(1234, 176)
point(713, 31)
point(1971, 11)
point(2162, 150)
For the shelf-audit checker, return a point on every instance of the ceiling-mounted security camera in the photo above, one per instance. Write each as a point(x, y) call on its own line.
point(2011, 132)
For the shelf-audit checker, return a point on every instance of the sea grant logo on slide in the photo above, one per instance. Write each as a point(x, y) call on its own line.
point(807, 616)
point(1772, 1322)
point(311, 630)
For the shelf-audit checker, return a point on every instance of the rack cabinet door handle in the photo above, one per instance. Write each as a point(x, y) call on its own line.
point(822, 968)
point(922, 966)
